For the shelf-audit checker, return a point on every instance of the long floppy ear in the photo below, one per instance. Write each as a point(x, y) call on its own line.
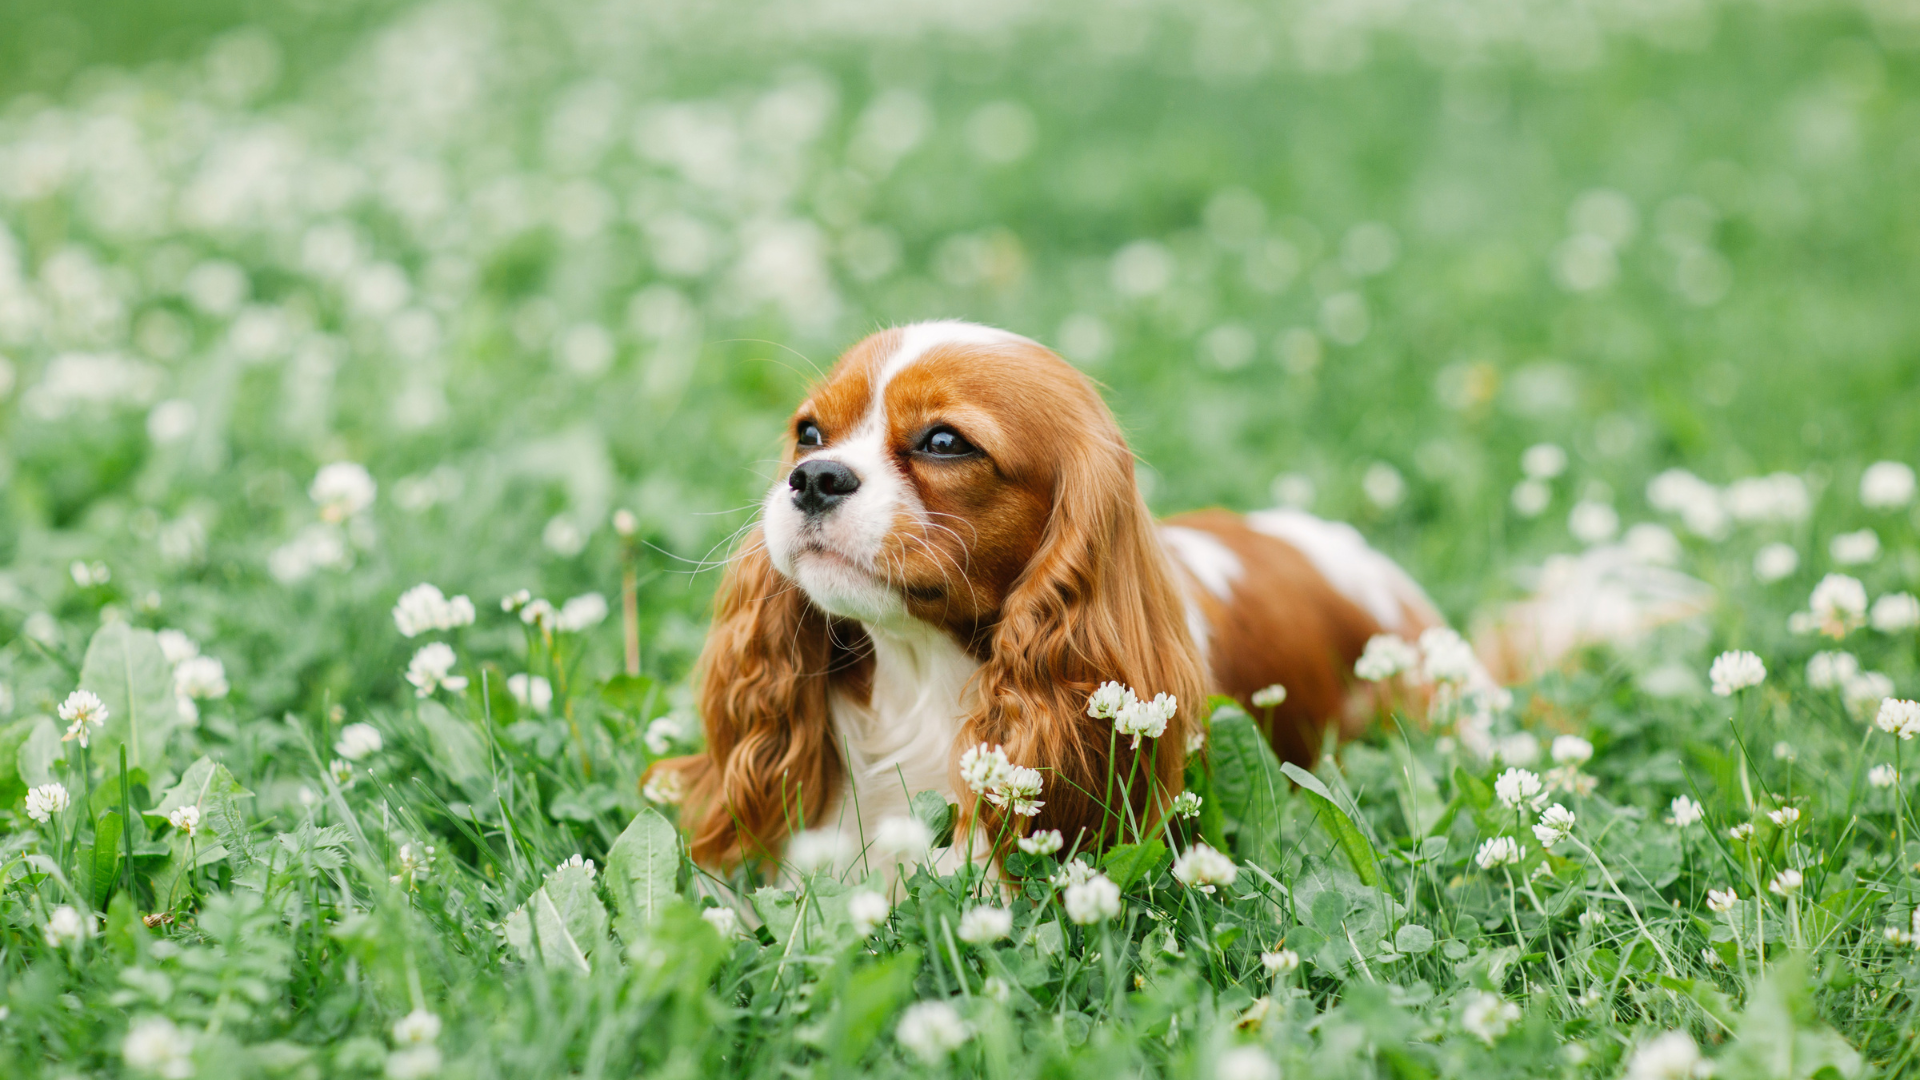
point(770, 766)
point(1096, 603)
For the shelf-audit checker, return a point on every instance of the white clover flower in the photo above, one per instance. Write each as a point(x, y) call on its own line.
point(416, 1028)
point(1684, 812)
point(1886, 485)
point(581, 613)
point(1487, 1016)
point(1519, 748)
point(157, 1046)
point(625, 523)
point(1280, 961)
point(201, 677)
point(1883, 776)
point(1826, 670)
point(1864, 692)
point(539, 613)
point(1385, 656)
point(985, 925)
point(1895, 613)
point(1106, 702)
point(1044, 842)
point(1019, 791)
point(1671, 1056)
point(342, 490)
point(432, 668)
point(1572, 750)
point(1245, 1063)
point(1146, 719)
point(1786, 817)
point(357, 742)
point(1072, 873)
point(424, 608)
point(1268, 696)
point(531, 691)
point(1593, 917)
point(1736, 670)
point(818, 849)
point(1498, 851)
point(47, 800)
point(186, 819)
point(1785, 883)
point(1854, 548)
point(1530, 498)
point(516, 601)
point(1837, 607)
point(65, 924)
point(903, 837)
point(416, 862)
point(1899, 717)
point(83, 711)
point(1555, 823)
point(1569, 778)
point(1200, 867)
point(1700, 505)
point(930, 1030)
point(1775, 562)
point(1593, 522)
point(1186, 805)
point(1543, 461)
point(1517, 787)
point(661, 734)
point(995, 989)
point(868, 910)
point(1445, 656)
point(665, 787)
point(1722, 902)
point(176, 646)
point(723, 919)
point(578, 861)
point(1094, 900)
point(1741, 833)
point(341, 770)
point(1778, 497)
point(984, 768)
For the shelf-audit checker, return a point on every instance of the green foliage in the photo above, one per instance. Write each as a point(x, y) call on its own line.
point(529, 264)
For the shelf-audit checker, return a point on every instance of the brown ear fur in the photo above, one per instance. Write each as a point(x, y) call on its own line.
point(770, 766)
point(1096, 603)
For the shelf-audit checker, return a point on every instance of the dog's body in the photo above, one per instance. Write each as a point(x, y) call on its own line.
point(955, 554)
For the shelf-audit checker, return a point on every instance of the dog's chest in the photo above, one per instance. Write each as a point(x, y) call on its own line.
point(901, 740)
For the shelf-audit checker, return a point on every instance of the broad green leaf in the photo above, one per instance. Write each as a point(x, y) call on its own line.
point(208, 785)
point(628, 692)
point(169, 880)
point(1413, 939)
point(1419, 795)
point(41, 753)
point(13, 787)
point(562, 922)
point(458, 752)
point(825, 928)
point(1130, 863)
point(126, 668)
point(643, 869)
point(1246, 780)
point(1352, 842)
point(937, 814)
point(1781, 1035)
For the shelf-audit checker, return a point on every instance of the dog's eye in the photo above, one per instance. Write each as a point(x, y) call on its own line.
point(809, 434)
point(945, 442)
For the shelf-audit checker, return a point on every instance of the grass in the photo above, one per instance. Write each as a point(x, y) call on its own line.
point(529, 265)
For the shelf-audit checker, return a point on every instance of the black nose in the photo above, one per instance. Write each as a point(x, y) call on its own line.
point(819, 485)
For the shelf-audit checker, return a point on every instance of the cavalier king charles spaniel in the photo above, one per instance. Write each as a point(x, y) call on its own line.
point(955, 553)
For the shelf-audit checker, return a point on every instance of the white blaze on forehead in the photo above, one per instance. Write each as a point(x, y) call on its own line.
point(917, 339)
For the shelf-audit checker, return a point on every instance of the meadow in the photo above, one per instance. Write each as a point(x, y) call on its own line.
point(382, 384)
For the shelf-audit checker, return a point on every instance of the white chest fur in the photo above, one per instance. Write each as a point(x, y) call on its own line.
point(900, 742)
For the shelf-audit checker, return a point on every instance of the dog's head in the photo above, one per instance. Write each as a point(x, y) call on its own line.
point(963, 478)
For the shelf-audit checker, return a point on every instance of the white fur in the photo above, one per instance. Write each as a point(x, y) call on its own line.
point(1358, 572)
point(1208, 563)
point(901, 741)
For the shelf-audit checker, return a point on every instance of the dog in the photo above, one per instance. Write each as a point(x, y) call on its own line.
point(955, 554)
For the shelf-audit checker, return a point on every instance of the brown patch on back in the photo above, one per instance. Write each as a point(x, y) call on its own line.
point(1284, 624)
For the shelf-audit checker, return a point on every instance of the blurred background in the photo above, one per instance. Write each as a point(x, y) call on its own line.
point(533, 263)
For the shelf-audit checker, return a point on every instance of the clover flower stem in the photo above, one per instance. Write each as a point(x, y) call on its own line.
point(1900, 853)
point(630, 606)
point(573, 724)
point(1739, 946)
point(1106, 801)
point(1632, 910)
point(953, 954)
